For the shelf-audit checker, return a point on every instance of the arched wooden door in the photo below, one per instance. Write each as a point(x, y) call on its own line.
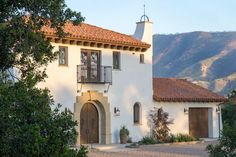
point(88, 124)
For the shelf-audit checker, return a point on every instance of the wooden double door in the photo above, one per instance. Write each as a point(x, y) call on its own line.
point(198, 122)
point(89, 124)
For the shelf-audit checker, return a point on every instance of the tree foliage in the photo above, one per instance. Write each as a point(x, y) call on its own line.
point(22, 43)
point(227, 141)
point(229, 109)
point(160, 121)
point(29, 127)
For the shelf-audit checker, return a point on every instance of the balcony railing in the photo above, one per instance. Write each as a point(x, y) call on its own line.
point(94, 74)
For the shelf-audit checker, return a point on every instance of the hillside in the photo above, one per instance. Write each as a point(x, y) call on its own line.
point(208, 59)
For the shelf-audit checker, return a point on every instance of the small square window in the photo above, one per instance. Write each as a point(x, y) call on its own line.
point(116, 60)
point(63, 55)
point(141, 58)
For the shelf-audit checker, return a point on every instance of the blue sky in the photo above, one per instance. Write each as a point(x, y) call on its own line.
point(169, 16)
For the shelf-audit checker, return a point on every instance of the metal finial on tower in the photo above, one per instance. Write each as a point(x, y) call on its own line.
point(144, 9)
point(144, 17)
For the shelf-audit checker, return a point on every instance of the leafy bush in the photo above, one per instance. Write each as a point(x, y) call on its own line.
point(181, 138)
point(30, 127)
point(229, 109)
point(160, 121)
point(227, 143)
point(228, 113)
point(147, 140)
point(83, 151)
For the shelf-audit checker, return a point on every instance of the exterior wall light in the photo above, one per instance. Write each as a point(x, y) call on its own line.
point(116, 111)
point(217, 110)
point(185, 110)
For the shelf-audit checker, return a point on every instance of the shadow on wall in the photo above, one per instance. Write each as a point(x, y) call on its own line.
point(117, 135)
point(136, 131)
point(64, 96)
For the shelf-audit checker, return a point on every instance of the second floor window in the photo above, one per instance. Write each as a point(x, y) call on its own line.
point(63, 55)
point(116, 60)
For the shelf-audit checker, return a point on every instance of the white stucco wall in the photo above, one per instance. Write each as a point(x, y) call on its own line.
point(181, 119)
point(133, 83)
point(143, 31)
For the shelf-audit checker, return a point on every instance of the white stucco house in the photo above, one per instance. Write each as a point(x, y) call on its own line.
point(105, 79)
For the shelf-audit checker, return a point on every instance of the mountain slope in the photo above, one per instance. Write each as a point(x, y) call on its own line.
point(208, 59)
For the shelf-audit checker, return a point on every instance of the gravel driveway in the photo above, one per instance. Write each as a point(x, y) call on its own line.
point(174, 150)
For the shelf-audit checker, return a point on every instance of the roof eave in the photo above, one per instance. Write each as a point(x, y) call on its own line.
point(106, 44)
point(204, 100)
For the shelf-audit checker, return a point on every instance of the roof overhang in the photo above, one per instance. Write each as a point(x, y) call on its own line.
point(98, 43)
point(204, 100)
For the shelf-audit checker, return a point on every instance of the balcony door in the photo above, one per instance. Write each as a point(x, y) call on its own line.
point(90, 61)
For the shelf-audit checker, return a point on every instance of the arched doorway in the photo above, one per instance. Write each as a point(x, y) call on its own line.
point(104, 115)
point(89, 124)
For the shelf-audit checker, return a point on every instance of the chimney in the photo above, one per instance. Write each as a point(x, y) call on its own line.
point(143, 30)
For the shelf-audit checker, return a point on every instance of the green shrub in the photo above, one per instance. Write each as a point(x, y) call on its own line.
point(227, 143)
point(229, 109)
point(181, 138)
point(83, 151)
point(228, 113)
point(147, 140)
point(29, 127)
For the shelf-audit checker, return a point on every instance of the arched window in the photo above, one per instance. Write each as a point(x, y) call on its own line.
point(137, 113)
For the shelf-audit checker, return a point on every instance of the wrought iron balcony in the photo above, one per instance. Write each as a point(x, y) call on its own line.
point(94, 74)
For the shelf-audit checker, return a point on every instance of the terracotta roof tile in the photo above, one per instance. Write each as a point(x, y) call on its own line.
point(181, 90)
point(93, 33)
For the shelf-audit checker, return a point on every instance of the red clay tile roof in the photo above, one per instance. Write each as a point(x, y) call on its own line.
point(93, 33)
point(181, 90)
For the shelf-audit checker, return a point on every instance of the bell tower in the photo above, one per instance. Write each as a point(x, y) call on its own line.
point(143, 30)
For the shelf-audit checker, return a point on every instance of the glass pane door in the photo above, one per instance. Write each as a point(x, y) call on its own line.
point(90, 61)
point(94, 61)
point(84, 67)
